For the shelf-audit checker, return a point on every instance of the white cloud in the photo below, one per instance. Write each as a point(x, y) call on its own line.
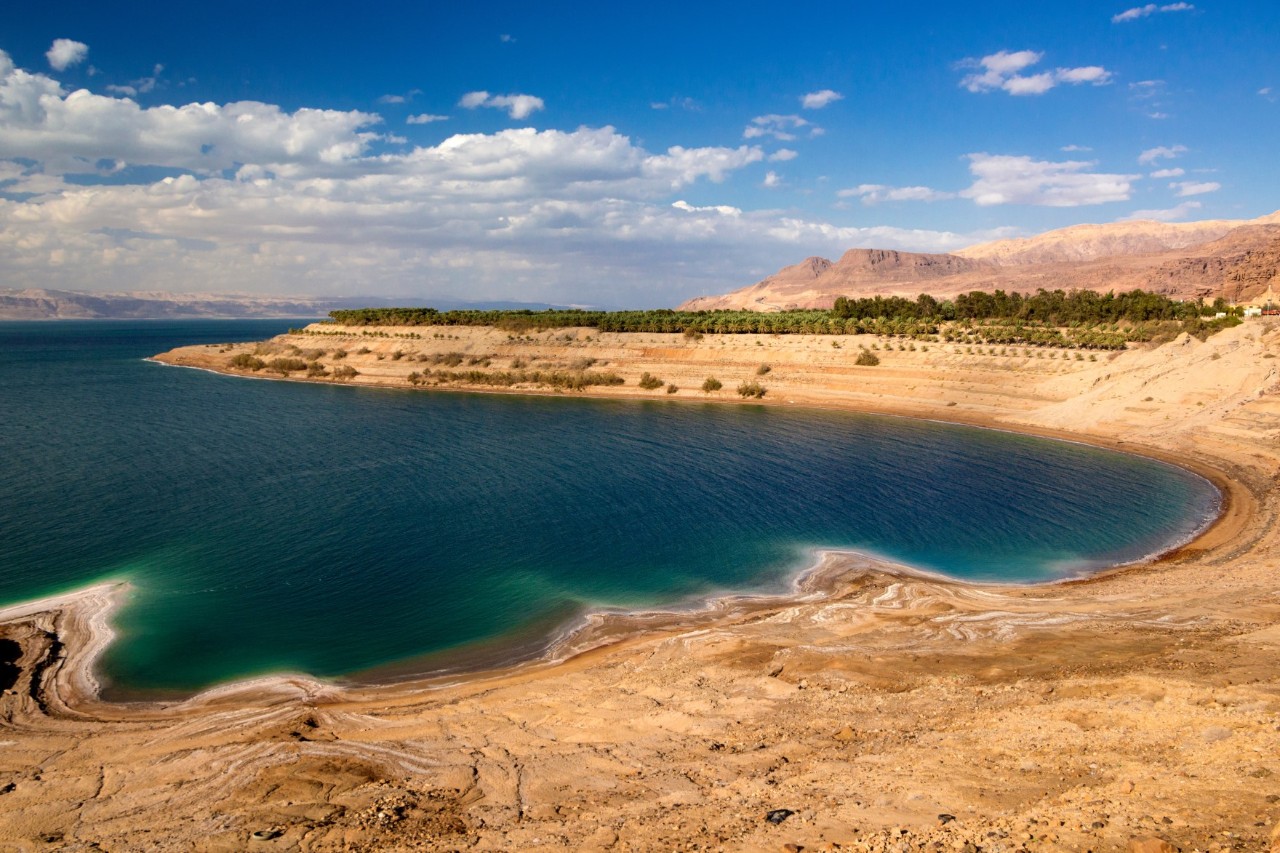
point(1181, 211)
point(771, 180)
point(1002, 71)
point(425, 118)
point(818, 100)
point(1071, 149)
point(1149, 9)
point(1007, 179)
point(517, 106)
point(506, 38)
point(1189, 188)
point(722, 209)
point(1168, 173)
point(140, 86)
point(539, 215)
point(877, 193)
point(782, 155)
point(782, 128)
point(64, 53)
point(1151, 155)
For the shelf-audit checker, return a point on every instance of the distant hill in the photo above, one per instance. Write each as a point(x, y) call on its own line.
point(37, 304)
point(1236, 259)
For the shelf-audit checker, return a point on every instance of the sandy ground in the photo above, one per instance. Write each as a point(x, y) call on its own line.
point(1135, 710)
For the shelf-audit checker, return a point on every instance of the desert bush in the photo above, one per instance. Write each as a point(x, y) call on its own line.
point(712, 384)
point(648, 382)
point(244, 361)
point(763, 369)
point(316, 369)
point(345, 371)
point(867, 358)
point(751, 389)
point(286, 365)
point(671, 388)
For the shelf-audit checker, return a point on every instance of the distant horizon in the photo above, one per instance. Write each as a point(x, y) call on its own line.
point(549, 156)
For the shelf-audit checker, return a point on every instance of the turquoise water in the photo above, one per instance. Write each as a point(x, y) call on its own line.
point(268, 526)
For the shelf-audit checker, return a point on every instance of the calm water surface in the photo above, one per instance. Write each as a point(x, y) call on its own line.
point(271, 526)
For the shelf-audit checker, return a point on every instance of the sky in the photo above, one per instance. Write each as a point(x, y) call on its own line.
point(631, 155)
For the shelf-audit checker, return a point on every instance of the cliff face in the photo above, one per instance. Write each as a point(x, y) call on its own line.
point(1234, 259)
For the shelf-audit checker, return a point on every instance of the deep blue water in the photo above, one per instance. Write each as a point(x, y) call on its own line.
point(271, 526)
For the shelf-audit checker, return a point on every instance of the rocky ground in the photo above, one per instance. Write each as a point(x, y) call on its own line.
point(1136, 711)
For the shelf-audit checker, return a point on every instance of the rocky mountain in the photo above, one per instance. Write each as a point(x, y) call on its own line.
point(1236, 259)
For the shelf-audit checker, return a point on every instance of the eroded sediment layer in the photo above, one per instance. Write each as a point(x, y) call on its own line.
point(1071, 716)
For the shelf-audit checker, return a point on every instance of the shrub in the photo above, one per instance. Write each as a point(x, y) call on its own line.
point(692, 334)
point(763, 369)
point(286, 365)
point(671, 388)
point(751, 389)
point(339, 354)
point(315, 369)
point(712, 384)
point(648, 382)
point(363, 351)
point(867, 358)
point(244, 361)
point(345, 371)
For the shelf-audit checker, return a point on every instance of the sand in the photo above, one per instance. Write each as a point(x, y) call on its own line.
point(882, 708)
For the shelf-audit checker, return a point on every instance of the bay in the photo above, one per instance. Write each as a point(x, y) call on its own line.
point(271, 526)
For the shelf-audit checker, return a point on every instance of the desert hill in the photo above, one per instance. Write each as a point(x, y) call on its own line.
point(1236, 259)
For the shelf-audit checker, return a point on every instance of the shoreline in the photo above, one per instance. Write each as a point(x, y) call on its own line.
point(870, 701)
point(599, 628)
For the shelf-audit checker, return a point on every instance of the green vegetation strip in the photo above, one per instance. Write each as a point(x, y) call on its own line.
point(1057, 318)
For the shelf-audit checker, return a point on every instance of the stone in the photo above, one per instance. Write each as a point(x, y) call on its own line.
point(1151, 845)
point(777, 816)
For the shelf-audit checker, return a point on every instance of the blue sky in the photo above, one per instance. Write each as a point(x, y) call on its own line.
point(615, 156)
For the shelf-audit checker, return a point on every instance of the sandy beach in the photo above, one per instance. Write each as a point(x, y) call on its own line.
point(875, 709)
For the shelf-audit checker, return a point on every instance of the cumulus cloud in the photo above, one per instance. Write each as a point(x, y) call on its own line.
point(1189, 188)
point(1149, 9)
point(771, 180)
point(1170, 214)
point(519, 107)
point(425, 118)
point(1168, 173)
point(877, 193)
point(1162, 152)
point(818, 100)
point(269, 200)
point(1003, 71)
point(1007, 179)
point(782, 128)
point(782, 155)
point(64, 53)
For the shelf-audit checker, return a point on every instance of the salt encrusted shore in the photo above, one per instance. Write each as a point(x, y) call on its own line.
point(1136, 704)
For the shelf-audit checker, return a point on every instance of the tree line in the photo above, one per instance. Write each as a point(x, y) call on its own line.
point(998, 316)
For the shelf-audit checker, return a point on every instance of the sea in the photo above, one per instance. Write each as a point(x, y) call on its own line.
point(267, 527)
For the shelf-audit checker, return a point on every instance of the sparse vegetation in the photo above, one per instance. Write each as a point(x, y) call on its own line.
point(649, 382)
point(867, 358)
point(751, 389)
point(711, 384)
point(763, 369)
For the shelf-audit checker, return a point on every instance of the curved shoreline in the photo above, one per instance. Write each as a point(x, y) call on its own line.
point(84, 614)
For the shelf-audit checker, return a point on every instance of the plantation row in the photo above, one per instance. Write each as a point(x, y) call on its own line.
point(1091, 320)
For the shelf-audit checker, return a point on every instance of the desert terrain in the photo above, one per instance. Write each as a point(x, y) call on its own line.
point(876, 709)
point(1236, 260)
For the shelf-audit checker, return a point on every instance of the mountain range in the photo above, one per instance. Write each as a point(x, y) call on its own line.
point(1234, 259)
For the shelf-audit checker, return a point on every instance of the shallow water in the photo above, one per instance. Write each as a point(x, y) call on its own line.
point(268, 526)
